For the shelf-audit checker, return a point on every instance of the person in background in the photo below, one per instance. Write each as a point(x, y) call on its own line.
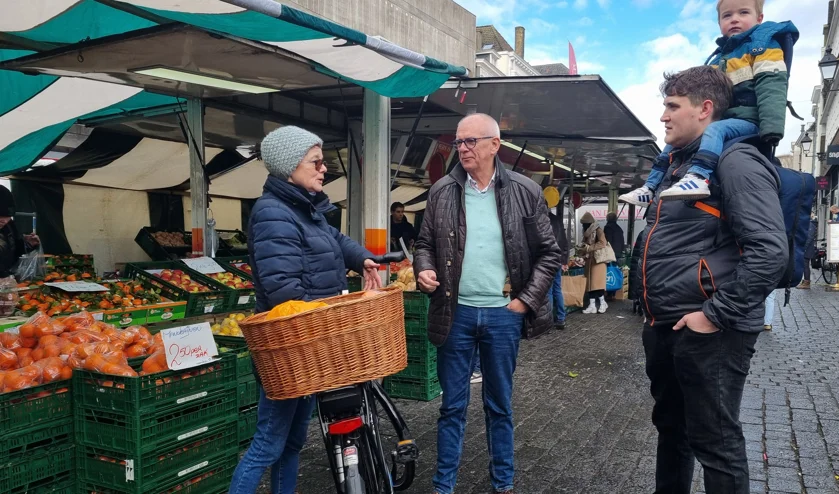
point(295, 255)
point(769, 311)
point(810, 251)
point(555, 292)
point(400, 227)
point(615, 235)
point(12, 243)
point(594, 239)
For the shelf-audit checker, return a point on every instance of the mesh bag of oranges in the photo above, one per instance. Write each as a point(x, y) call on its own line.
point(46, 350)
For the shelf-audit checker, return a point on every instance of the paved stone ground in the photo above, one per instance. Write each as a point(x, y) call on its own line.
point(592, 433)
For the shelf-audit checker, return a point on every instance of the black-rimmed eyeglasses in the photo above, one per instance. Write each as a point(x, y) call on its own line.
point(470, 142)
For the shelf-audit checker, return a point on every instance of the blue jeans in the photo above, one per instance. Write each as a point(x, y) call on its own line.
point(770, 309)
point(281, 432)
point(559, 302)
point(497, 332)
point(710, 148)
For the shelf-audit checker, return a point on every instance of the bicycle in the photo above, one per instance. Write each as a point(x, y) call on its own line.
point(351, 432)
point(829, 270)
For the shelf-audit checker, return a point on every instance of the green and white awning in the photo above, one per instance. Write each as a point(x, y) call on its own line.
point(70, 60)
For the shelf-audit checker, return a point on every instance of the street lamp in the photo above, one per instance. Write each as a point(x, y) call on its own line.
point(806, 143)
point(828, 65)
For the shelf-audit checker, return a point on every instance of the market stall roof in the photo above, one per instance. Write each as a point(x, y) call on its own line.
point(68, 60)
point(578, 122)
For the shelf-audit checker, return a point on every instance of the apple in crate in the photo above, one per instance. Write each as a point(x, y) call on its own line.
point(182, 280)
point(231, 280)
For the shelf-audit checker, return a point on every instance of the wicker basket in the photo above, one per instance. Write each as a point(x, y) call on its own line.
point(353, 340)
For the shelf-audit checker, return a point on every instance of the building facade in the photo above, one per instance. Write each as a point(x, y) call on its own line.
point(825, 134)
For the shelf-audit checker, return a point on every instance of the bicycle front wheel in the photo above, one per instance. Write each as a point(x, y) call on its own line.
point(829, 273)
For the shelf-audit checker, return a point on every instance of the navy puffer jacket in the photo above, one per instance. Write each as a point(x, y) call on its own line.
point(295, 253)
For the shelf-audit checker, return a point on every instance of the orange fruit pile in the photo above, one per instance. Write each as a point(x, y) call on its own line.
point(47, 350)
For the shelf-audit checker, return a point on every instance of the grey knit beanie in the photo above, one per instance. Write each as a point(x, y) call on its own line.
point(284, 149)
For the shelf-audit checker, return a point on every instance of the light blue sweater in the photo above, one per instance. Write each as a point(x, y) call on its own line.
point(484, 268)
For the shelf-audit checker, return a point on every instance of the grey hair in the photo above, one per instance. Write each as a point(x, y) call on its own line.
point(492, 125)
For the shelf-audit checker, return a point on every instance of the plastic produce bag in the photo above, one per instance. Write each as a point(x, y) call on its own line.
point(293, 307)
point(8, 296)
point(31, 266)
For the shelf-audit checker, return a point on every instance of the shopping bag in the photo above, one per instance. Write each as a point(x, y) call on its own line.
point(573, 290)
point(614, 278)
point(31, 266)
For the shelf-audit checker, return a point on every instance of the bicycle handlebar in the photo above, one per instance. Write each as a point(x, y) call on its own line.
point(389, 258)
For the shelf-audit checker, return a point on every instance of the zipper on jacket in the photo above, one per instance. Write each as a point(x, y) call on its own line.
point(644, 269)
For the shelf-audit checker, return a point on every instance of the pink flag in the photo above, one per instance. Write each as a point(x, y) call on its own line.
point(572, 60)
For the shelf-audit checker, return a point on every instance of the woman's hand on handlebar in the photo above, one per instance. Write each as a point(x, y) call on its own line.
point(372, 280)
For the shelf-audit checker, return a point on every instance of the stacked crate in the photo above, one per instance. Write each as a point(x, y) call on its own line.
point(36, 440)
point(163, 432)
point(419, 380)
point(247, 389)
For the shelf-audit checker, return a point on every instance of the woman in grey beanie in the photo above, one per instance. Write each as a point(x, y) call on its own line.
point(295, 255)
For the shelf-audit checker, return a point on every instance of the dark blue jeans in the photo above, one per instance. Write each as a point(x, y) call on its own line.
point(280, 435)
point(697, 383)
point(497, 332)
point(559, 301)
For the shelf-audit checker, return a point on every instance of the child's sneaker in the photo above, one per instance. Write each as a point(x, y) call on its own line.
point(641, 196)
point(689, 188)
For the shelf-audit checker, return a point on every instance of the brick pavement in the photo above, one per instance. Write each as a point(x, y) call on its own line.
point(592, 433)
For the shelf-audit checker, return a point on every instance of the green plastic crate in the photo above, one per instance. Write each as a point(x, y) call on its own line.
point(36, 473)
point(216, 479)
point(416, 304)
point(248, 393)
point(217, 301)
point(413, 389)
point(143, 432)
point(416, 327)
point(153, 392)
point(238, 345)
point(420, 367)
point(419, 345)
point(29, 442)
point(64, 483)
point(355, 284)
point(153, 470)
point(31, 407)
point(247, 426)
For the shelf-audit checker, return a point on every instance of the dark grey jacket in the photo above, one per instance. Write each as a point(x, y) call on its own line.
point(530, 250)
point(727, 266)
point(561, 239)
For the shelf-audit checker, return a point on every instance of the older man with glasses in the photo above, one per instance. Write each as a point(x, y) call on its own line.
point(487, 255)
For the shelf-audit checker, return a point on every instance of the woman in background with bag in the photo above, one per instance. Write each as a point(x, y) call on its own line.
point(12, 243)
point(598, 255)
point(295, 255)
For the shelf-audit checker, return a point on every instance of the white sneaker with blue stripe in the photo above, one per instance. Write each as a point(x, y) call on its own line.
point(641, 196)
point(690, 188)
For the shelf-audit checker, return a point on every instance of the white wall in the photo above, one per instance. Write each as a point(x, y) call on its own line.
point(227, 212)
point(104, 222)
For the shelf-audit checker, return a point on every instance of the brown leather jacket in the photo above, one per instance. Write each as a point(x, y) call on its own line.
point(531, 252)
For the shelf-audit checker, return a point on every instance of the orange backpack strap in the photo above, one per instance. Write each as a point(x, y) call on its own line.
point(709, 209)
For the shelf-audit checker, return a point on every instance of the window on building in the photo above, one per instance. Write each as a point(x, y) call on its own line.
point(487, 46)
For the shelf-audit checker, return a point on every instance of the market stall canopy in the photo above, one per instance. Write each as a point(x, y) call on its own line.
point(67, 60)
point(576, 122)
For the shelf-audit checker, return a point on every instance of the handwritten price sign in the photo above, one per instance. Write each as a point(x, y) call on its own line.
point(189, 346)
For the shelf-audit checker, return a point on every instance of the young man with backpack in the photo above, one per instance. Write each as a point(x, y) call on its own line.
point(706, 269)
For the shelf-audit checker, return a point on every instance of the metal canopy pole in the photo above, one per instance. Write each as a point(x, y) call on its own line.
point(355, 197)
point(197, 179)
point(376, 172)
point(630, 226)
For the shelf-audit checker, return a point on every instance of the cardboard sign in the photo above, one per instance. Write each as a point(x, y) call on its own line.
point(204, 265)
point(78, 286)
point(189, 346)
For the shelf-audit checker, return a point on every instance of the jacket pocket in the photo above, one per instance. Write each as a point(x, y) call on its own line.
point(706, 279)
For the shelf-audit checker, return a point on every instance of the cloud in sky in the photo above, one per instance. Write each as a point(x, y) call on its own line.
point(692, 40)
